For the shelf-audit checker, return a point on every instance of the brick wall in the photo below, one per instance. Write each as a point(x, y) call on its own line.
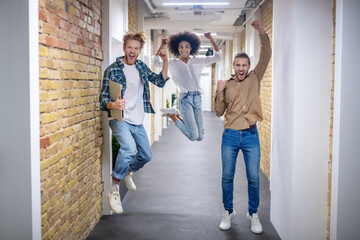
point(243, 40)
point(132, 16)
point(266, 95)
point(213, 86)
point(231, 57)
point(331, 121)
point(70, 134)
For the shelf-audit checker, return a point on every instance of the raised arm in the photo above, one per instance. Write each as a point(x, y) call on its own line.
point(206, 61)
point(161, 78)
point(164, 58)
point(156, 59)
point(213, 43)
point(162, 45)
point(265, 52)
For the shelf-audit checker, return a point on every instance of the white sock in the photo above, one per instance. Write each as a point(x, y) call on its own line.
point(114, 187)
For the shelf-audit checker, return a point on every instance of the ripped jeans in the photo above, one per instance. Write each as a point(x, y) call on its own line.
point(191, 112)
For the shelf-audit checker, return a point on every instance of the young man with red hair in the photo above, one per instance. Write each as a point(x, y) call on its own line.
point(134, 77)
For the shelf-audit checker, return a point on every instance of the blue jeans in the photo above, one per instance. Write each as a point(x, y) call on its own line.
point(191, 112)
point(135, 150)
point(248, 141)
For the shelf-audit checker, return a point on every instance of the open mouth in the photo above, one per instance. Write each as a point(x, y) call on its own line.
point(131, 57)
point(241, 74)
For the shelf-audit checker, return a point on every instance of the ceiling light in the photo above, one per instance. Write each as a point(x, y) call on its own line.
point(195, 3)
point(202, 34)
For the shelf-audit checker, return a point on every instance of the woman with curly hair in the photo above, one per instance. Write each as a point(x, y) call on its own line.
point(186, 70)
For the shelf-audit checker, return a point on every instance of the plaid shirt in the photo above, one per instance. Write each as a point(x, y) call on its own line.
point(115, 73)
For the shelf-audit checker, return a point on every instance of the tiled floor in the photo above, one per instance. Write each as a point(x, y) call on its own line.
point(179, 195)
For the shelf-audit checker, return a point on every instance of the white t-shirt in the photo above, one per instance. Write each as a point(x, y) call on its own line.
point(133, 95)
point(186, 76)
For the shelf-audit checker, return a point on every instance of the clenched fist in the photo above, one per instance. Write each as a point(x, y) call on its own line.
point(220, 86)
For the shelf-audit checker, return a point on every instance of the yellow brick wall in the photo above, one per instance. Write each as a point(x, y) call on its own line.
point(133, 15)
point(266, 95)
point(70, 55)
point(243, 41)
point(331, 121)
point(213, 86)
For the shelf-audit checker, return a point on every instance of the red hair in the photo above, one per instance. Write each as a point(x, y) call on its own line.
point(139, 36)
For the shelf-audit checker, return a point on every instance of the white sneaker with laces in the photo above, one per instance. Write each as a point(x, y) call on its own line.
point(129, 182)
point(170, 111)
point(226, 220)
point(115, 202)
point(255, 223)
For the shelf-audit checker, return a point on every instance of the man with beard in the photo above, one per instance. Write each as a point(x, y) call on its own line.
point(134, 77)
point(240, 98)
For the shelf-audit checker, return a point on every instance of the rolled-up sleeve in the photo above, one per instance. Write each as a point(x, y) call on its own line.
point(157, 79)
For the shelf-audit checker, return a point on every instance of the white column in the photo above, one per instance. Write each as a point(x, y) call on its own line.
point(301, 117)
point(114, 26)
point(20, 203)
point(345, 210)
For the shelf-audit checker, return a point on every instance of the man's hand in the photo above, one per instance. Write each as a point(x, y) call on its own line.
point(220, 86)
point(163, 43)
point(119, 104)
point(163, 55)
point(257, 25)
point(208, 35)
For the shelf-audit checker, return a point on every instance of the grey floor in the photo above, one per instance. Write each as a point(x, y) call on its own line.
point(179, 195)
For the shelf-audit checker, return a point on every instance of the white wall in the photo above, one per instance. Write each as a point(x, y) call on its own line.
point(301, 117)
point(205, 83)
point(252, 41)
point(226, 60)
point(345, 210)
point(20, 205)
point(114, 25)
point(118, 24)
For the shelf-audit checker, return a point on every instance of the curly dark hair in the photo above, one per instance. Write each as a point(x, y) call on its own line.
point(188, 36)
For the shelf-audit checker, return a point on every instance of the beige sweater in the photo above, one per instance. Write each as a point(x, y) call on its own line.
point(241, 99)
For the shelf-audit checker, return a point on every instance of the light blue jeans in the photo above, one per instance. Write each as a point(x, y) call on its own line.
point(135, 150)
point(248, 141)
point(191, 112)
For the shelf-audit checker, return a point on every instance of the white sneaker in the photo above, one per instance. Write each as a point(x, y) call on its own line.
point(170, 111)
point(255, 223)
point(129, 182)
point(115, 202)
point(226, 220)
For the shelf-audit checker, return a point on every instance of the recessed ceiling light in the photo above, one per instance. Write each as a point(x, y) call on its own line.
point(195, 3)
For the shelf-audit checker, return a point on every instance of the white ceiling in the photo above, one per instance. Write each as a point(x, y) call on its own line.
point(200, 18)
point(219, 20)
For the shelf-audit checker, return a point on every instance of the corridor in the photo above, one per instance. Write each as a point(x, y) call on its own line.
point(178, 194)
